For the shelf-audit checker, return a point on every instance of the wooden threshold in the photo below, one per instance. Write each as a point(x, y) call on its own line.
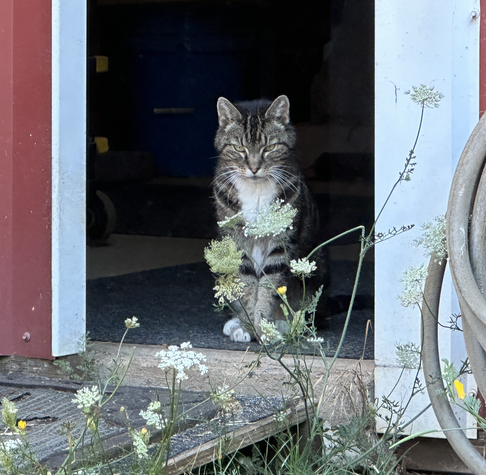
point(248, 435)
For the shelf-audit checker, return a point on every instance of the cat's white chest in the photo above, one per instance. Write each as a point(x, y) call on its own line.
point(255, 195)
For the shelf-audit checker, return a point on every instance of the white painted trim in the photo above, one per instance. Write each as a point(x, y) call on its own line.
point(436, 44)
point(69, 63)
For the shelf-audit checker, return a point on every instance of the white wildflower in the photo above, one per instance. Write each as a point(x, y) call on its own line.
point(180, 360)
point(228, 289)
point(224, 397)
point(433, 238)
point(87, 398)
point(88, 471)
point(139, 444)
point(153, 414)
point(425, 96)
point(132, 322)
point(269, 331)
point(9, 413)
point(302, 267)
point(281, 415)
point(271, 221)
point(413, 283)
point(223, 256)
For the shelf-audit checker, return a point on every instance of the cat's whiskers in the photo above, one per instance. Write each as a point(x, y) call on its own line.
point(235, 183)
point(277, 181)
point(282, 177)
point(230, 171)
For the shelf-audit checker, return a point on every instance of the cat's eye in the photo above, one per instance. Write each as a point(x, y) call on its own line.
point(270, 148)
point(239, 148)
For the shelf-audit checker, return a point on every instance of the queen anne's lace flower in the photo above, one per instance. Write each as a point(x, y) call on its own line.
point(433, 238)
point(153, 415)
point(132, 322)
point(413, 283)
point(224, 397)
point(425, 96)
point(180, 360)
point(139, 444)
point(269, 331)
point(228, 289)
point(9, 413)
point(223, 256)
point(317, 340)
point(271, 221)
point(86, 398)
point(302, 267)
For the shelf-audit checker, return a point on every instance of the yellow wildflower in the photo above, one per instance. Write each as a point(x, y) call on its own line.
point(282, 290)
point(144, 431)
point(22, 425)
point(460, 389)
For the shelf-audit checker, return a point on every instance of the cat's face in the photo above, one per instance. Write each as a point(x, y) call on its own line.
point(254, 140)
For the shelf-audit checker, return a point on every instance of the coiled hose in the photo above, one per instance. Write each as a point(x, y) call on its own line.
point(466, 244)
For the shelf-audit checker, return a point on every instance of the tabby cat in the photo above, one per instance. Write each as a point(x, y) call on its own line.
point(256, 166)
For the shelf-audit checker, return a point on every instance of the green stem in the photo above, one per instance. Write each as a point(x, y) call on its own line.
point(402, 173)
point(424, 432)
point(334, 238)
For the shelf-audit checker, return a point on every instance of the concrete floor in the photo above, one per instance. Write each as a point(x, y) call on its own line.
point(123, 254)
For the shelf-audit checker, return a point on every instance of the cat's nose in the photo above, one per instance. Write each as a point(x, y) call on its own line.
point(254, 170)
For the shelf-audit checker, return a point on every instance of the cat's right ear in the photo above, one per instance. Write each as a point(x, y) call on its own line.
point(227, 112)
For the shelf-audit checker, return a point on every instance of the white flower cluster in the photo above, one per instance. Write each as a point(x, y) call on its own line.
point(281, 415)
point(271, 221)
point(318, 340)
point(302, 267)
point(9, 413)
point(132, 322)
point(433, 238)
point(180, 360)
point(228, 289)
point(86, 398)
point(270, 334)
point(413, 283)
point(425, 96)
point(139, 444)
point(87, 471)
point(153, 415)
point(224, 397)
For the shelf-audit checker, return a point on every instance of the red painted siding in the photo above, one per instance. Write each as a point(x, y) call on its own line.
point(25, 177)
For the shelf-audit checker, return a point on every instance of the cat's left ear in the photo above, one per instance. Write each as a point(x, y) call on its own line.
point(279, 110)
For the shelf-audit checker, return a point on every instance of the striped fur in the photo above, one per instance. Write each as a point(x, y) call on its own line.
point(256, 165)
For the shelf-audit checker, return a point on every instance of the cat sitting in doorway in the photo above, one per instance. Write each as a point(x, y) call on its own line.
point(256, 166)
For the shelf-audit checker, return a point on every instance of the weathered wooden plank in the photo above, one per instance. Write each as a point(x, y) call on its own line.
point(250, 434)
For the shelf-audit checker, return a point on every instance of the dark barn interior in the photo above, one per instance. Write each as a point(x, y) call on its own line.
point(151, 123)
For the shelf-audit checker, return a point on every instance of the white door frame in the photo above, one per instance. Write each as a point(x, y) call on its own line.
point(69, 60)
point(436, 44)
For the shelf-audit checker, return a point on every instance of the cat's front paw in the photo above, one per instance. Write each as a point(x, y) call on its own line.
point(235, 331)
